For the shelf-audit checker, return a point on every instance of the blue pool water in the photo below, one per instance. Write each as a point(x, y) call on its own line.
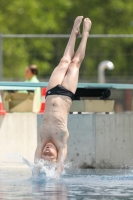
point(18, 183)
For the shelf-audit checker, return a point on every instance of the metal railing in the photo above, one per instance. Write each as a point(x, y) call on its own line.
point(2, 36)
point(80, 85)
point(64, 35)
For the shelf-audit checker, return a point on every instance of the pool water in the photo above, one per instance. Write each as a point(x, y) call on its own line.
point(74, 184)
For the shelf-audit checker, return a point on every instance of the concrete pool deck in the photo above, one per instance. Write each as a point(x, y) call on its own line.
point(96, 140)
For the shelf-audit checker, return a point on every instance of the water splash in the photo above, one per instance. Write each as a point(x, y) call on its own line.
point(43, 169)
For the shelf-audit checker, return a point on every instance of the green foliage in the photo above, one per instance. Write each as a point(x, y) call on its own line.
point(51, 17)
point(30, 17)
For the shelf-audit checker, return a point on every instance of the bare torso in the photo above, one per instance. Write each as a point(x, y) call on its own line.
point(54, 124)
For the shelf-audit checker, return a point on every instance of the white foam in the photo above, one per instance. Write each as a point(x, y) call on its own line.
point(40, 170)
point(46, 169)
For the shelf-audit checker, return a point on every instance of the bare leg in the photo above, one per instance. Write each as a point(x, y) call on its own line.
point(60, 71)
point(71, 79)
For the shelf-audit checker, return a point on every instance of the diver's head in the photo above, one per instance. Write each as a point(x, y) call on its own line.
point(49, 152)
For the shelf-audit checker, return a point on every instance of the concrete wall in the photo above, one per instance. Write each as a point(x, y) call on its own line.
point(100, 140)
point(96, 140)
point(114, 140)
point(18, 134)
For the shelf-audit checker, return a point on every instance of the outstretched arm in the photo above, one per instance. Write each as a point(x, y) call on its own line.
point(39, 149)
point(38, 153)
point(62, 153)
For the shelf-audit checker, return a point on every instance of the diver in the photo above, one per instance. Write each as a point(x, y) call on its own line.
point(62, 86)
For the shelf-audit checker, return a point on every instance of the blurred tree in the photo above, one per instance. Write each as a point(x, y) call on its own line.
point(108, 17)
point(37, 17)
point(30, 17)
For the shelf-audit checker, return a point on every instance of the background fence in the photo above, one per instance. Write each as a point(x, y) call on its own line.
point(45, 50)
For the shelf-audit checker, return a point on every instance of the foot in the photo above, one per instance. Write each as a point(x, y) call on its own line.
point(86, 25)
point(76, 26)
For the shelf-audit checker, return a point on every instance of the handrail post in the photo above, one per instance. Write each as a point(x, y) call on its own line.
point(106, 64)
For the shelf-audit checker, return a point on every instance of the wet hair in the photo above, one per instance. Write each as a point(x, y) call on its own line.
point(33, 69)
